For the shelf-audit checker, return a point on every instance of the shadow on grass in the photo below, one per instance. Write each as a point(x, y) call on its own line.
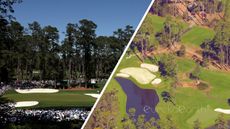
point(4, 100)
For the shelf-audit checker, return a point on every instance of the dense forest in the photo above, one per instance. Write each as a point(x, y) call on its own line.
point(211, 14)
point(218, 47)
point(161, 7)
point(35, 52)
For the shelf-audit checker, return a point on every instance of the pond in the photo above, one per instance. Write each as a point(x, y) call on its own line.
point(143, 100)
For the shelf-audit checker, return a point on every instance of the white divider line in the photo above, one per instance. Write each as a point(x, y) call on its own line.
point(118, 63)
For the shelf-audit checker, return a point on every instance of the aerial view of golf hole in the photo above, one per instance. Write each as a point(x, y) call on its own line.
point(175, 73)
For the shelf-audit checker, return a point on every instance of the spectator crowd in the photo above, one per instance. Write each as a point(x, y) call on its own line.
point(22, 115)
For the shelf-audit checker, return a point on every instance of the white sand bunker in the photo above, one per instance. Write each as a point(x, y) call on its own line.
point(93, 95)
point(26, 103)
point(156, 81)
point(150, 67)
point(37, 90)
point(123, 75)
point(225, 111)
point(143, 76)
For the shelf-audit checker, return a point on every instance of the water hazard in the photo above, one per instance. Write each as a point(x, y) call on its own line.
point(143, 100)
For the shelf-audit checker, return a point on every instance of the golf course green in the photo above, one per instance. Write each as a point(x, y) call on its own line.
point(61, 99)
point(191, 104)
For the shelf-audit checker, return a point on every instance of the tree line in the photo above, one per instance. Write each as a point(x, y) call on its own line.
point(218, 48)
point(163, 7)
point(35, 52)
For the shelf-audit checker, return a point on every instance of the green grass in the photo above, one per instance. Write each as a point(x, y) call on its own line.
point(153, 24)
point(204, 115)
point(155, 21)
point(185, 65)
point(197, 35)
point(190, 102)
point(62, 99)
point(219, 81)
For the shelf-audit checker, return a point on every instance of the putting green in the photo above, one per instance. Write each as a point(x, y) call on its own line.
point(205, 115)
point(62, 99)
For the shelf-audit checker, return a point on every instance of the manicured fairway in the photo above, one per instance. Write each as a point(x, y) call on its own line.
point(62, 99)
point(197, 35)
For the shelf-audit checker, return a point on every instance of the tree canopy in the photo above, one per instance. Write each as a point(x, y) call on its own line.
point(35, 52)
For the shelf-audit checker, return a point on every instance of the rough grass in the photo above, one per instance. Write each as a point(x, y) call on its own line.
point(62, 99)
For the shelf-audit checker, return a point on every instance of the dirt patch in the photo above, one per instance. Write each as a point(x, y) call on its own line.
point(188, 84)
point(183, 76)
point(201, 85)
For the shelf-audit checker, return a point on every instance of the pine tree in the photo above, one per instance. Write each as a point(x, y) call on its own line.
point(220, 122)
point(197, 124)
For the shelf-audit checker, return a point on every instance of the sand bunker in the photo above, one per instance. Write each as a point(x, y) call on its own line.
point(225, 111)
point(38, 90)
point(123, 75)
point(143, 76)
point(26, 103)
point(150, 67)
point(156, 81)
point(93, 95)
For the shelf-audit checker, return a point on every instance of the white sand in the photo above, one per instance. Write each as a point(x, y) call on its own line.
point(143, 76)
point(122, 75)
point(26, 103)
point(156, 81)
point(225, 111)
point(37, 90)
point(150, 67)
point(93, 95)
